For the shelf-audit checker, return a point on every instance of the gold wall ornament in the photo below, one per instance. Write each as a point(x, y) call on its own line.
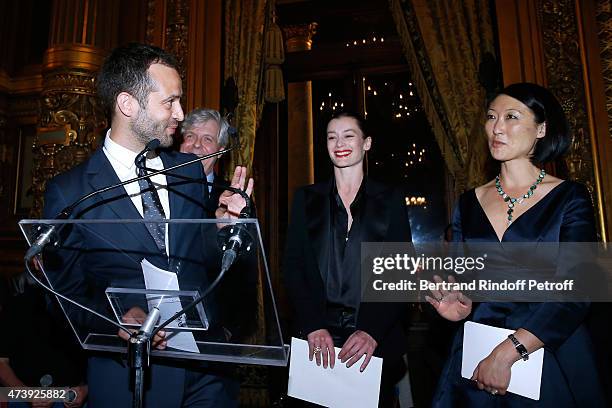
point(604, 34)
point(564, 73)
point(299, 37)
point(70, 124)
point(176, 41)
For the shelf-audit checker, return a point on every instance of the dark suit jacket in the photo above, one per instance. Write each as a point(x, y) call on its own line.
point(93, 257)
point(211, 199)
point(96, 256)
point(384, 219)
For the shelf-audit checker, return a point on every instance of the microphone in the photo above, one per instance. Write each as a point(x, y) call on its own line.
point(233, 239)
point(149, 323)
point(46, 234)
point(141, 157)
point(46, 380)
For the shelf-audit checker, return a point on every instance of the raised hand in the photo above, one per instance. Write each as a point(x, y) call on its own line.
point(453, 305)
point(230, 204)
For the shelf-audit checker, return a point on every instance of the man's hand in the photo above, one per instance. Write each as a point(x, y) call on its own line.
point(137, 316)
point(230, 204)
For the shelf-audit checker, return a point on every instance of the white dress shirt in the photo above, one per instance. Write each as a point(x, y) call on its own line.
point(210, 178)
point(122, 160)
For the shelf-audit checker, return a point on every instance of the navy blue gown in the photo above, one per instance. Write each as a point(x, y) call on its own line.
point(569, 376)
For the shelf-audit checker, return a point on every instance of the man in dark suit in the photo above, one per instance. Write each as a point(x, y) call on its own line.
point(141, 87)
point(205, 131)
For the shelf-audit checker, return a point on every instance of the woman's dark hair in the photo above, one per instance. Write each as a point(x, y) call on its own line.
point(545, 108)
point(361, 121)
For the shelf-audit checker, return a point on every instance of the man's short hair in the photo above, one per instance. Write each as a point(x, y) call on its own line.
point(126, 70)
point(198, 116)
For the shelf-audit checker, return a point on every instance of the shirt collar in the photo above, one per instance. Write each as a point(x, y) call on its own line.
point(358, 197)
point(122, 155)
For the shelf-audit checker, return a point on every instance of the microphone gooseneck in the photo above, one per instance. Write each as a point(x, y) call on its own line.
point(48, 234)
point(139, 161)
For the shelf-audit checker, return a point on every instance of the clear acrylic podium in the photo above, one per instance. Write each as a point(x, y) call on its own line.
point(114, 267)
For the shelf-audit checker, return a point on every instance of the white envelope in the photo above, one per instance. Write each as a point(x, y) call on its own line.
point(337, 387)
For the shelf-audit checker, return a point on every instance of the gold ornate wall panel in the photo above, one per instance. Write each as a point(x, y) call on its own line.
point(70, 125)
point(70, 120)
point(574, 74)
point(191, 30)
point(604, 34)
point(176, 40)
point(564, 74)
point(564, 45)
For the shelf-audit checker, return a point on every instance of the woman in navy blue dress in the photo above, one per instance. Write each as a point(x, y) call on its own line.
point(525, 126)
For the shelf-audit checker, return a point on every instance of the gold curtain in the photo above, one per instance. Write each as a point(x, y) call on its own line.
point(244, 24)
point(444, 42)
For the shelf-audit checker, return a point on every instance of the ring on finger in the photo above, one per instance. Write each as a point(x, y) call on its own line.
point(317, 349)
point(494, 392)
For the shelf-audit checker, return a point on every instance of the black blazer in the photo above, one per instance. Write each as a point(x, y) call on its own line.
point(385, 219)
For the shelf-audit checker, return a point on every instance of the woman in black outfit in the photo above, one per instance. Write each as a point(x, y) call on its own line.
point(329, 221)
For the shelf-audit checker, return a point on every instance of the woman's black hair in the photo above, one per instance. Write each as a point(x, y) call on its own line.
point(361, 121)
point(546, 108)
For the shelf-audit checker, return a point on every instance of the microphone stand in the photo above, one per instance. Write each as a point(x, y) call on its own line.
point(139, 350)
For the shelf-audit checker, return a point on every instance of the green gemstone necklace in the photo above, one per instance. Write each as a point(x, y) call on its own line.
point(512, 201)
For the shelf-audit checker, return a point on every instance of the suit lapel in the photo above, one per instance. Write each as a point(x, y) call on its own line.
point(100, 174)
point(317, 210)
point(375, 215)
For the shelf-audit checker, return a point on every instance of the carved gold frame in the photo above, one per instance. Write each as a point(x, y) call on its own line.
point(63, 135)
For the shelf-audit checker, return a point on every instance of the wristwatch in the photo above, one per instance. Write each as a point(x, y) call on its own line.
point(519, 347)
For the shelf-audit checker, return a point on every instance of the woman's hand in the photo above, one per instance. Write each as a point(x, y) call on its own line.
point(450, 304)
point(357, 345)
point(321, 346)
point(493, 373)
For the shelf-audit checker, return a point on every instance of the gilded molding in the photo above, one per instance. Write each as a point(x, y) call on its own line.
point(69, 105)
point(22, 84)
point(150, 30)
point(564, 73)
point(78, 56)
point(24, 106)
point(299, 37)
point(177, 33)
point(604, 33)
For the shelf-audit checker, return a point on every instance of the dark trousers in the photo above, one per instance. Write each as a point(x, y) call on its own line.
point(168, 385)
point(341, 322)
